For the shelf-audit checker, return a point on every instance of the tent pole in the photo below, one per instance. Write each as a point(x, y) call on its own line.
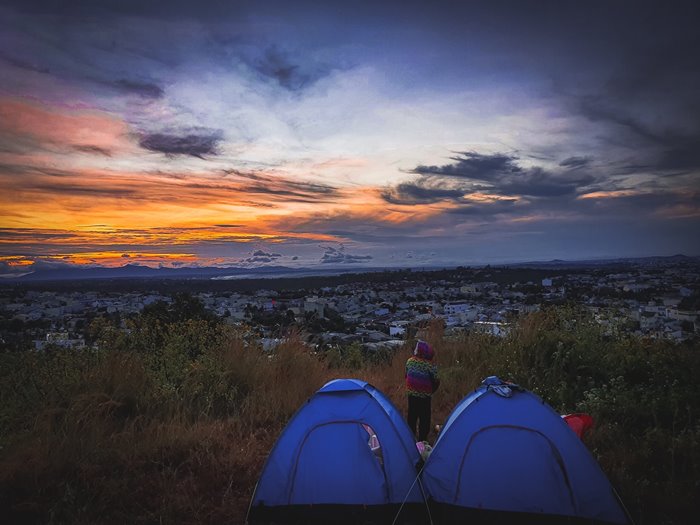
point(250, 505)
point(409, 492)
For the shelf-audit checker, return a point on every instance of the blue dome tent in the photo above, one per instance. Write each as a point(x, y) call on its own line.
point(326, 466)
point(505, 456)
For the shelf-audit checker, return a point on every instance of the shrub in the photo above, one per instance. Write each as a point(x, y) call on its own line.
point(173, 421)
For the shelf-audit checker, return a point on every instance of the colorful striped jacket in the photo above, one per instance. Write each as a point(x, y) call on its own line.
point(421, 374)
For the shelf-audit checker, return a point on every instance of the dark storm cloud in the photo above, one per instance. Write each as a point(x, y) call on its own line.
point(419, 193)
point(499, 175)
point(682, 156)
point(537, 182)
point(599, 109)
point(648, 103)
point(666, 143)
point(472, 165)
point(204, 142)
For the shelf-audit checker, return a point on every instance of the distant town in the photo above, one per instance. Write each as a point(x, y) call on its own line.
point(658, 299)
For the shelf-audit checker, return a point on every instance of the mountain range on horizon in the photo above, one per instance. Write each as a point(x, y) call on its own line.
point(136, 271)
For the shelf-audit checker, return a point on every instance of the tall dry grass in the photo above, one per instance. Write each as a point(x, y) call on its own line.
point(116, 437)
point(177, 431)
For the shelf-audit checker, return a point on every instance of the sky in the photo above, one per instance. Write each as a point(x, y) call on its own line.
point(368, 134)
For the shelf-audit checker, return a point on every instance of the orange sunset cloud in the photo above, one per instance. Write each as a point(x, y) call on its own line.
point(78, 129)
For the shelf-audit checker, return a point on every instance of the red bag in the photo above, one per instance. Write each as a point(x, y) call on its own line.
point(579, 423)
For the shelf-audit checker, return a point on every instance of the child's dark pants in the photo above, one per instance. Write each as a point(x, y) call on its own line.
point(419, 410)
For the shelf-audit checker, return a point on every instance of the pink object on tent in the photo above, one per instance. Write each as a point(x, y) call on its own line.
point(424, 449)
point(373, 440)
point(580, 423)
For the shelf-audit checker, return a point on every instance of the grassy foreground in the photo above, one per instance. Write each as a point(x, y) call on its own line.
point(171, 423)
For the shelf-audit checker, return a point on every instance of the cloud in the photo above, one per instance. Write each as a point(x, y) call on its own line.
point(491, 208)
point(600, 109)
point(95, 150)
point(283, 110)
point(28, 127)
point(575, 162)
point(261, 253)
point(291, 190)
point(156, 194)
point(666, 143)
point(204, 142)
point(278, 66)
point(648, 109)
point(472, 165)
point(422, 191)
point(135, 244)
point(480, 180)
point(537, 182)
point(683, 156)
point(24, 64)
point(143, 89)
point(40, 237)
point(262, 257)
point(266, 179)
point(83, 190)
point(339, 256)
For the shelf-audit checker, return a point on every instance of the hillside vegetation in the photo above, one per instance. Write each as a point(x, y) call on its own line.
point(171, 422)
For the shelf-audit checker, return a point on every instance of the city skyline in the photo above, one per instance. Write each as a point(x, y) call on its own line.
point(400, 134)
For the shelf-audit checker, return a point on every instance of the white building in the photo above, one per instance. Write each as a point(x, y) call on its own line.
point(456, 308)
point(398, 328)
point(491, 327)
point(314, 305)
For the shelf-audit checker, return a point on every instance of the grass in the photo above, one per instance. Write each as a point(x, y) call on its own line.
point(172, 422)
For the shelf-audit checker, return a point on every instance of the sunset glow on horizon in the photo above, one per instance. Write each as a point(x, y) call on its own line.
point(253, 134)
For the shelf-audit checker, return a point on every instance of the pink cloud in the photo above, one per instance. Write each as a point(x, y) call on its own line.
point(90, 131)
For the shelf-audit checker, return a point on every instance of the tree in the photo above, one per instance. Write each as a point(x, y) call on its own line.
point(184, 306)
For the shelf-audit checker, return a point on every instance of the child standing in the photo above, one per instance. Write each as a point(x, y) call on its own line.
point(421, 381)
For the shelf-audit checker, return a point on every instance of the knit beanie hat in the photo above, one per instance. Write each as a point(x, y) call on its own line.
point(423, 350)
